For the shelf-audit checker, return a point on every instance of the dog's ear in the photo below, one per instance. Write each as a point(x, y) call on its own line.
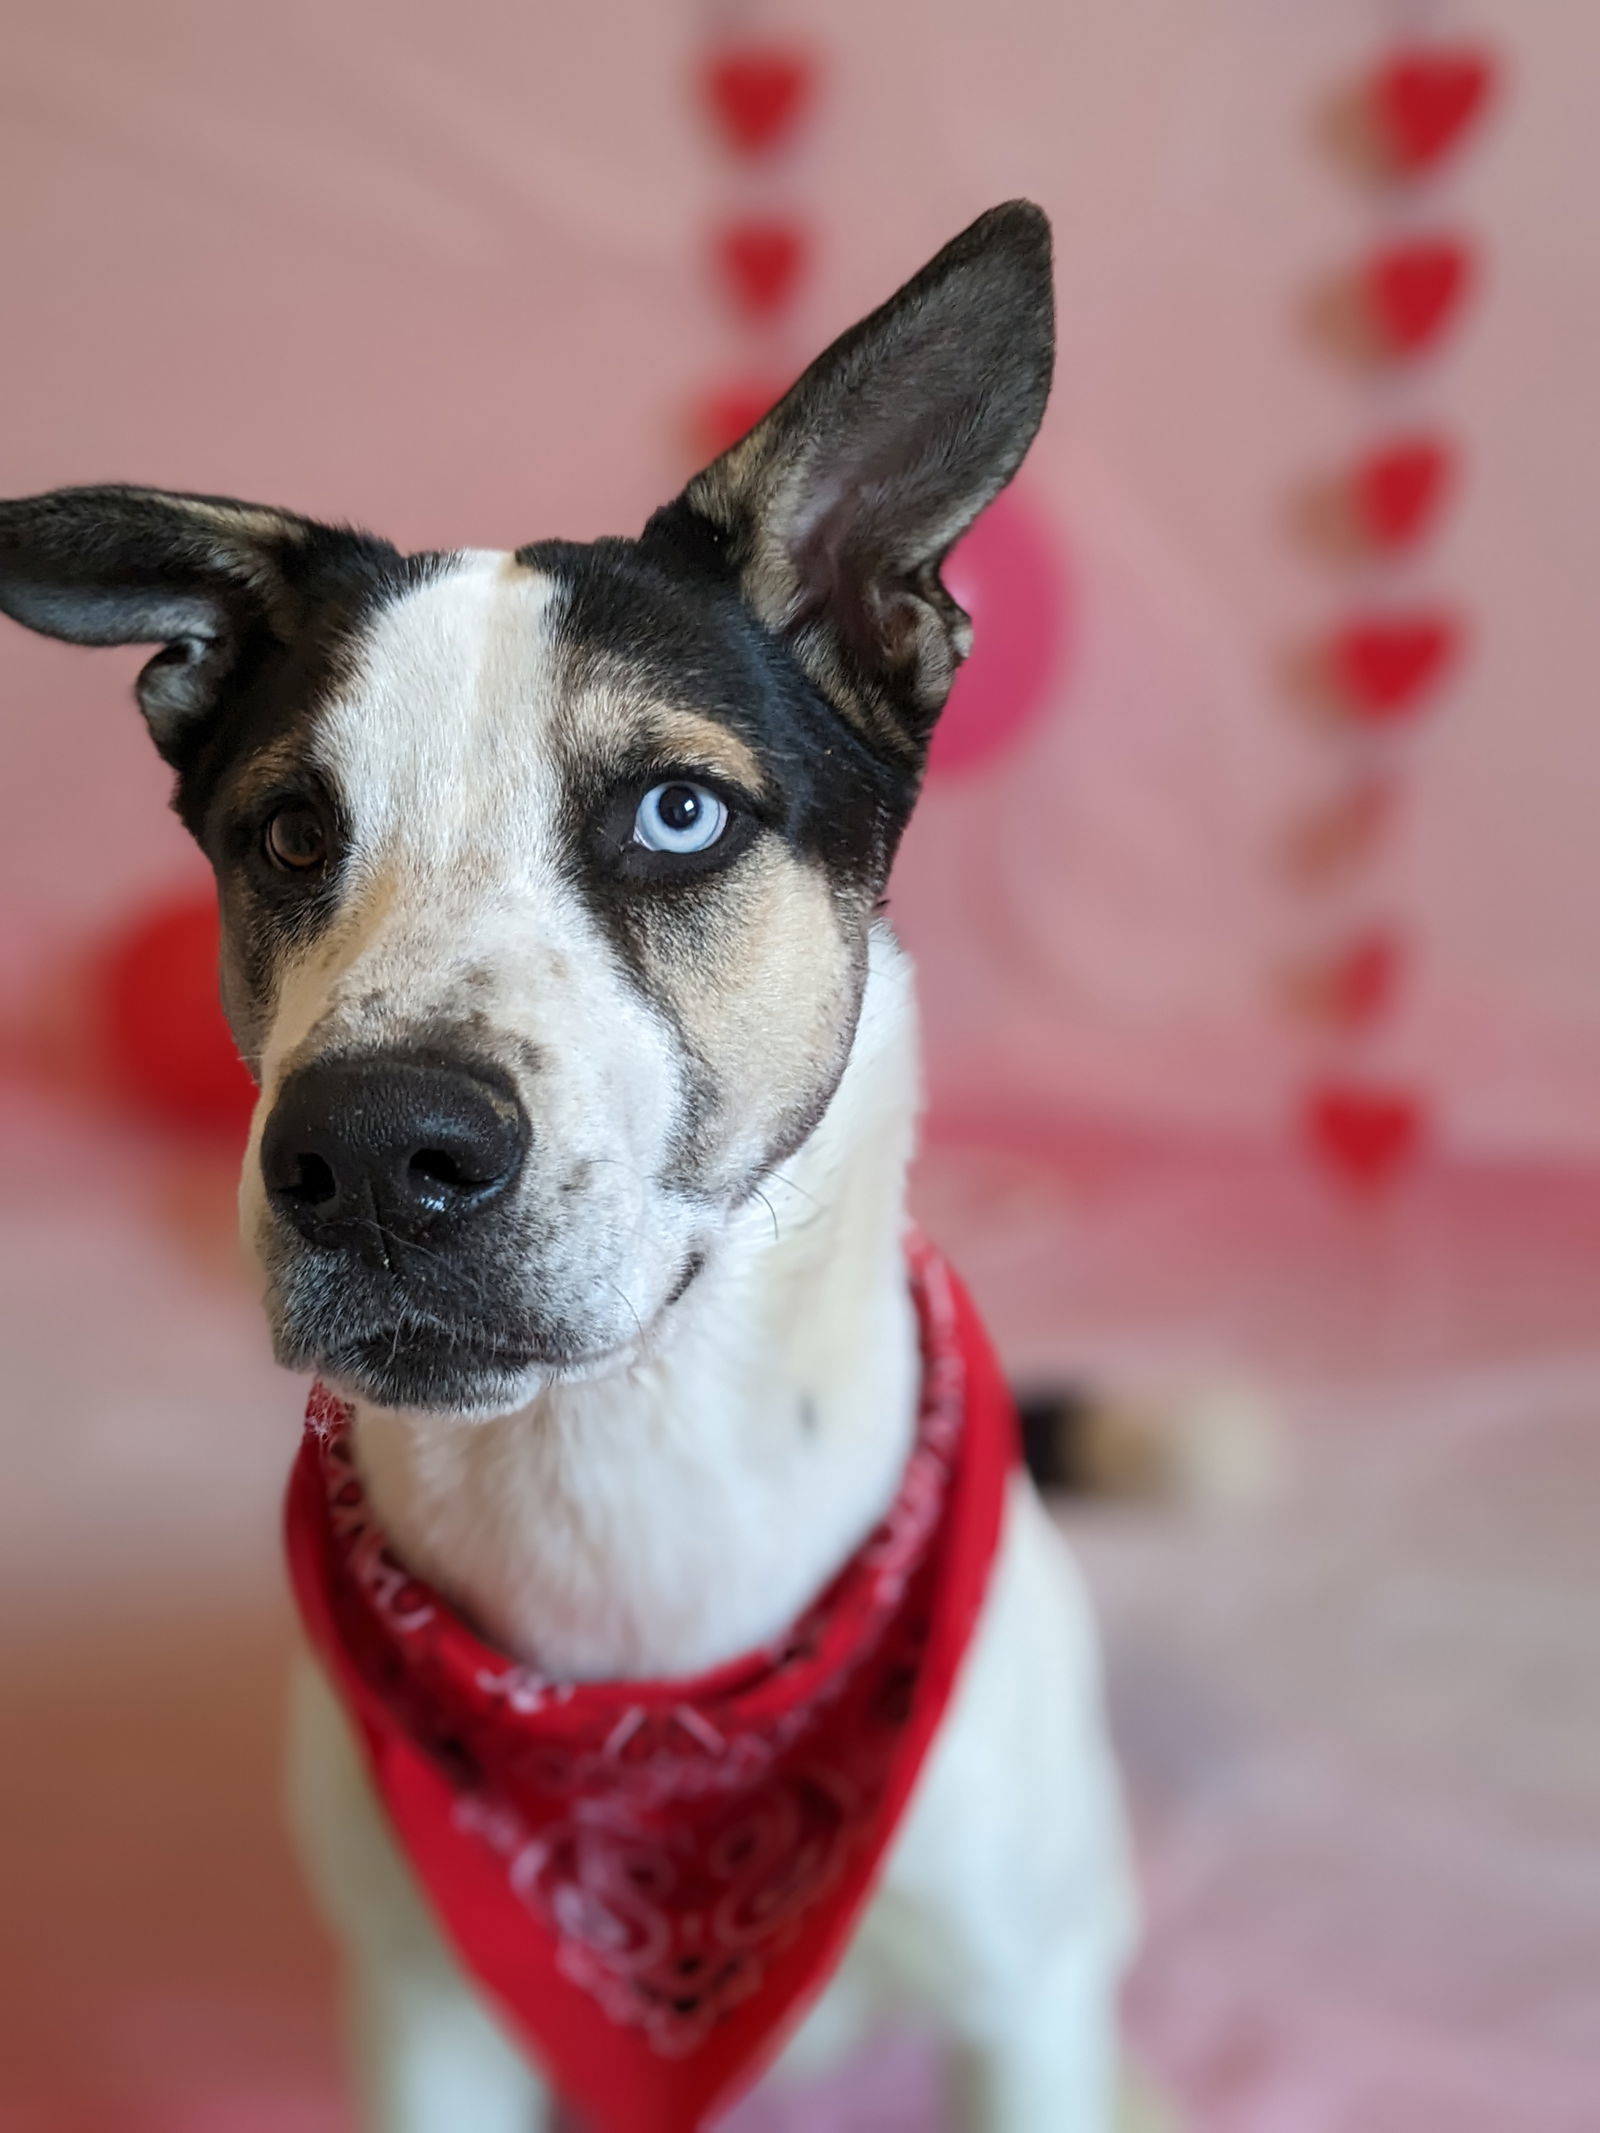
point(194, 574)
point(837, 510)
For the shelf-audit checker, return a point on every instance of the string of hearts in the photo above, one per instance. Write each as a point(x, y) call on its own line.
point(757, 93)
point(1011, 571)
point(1383, 663)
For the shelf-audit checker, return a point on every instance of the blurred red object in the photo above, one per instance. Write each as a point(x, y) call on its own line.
point(1011, 577)
point(1362, 982)
point(761, 262)
point(1356, 985)
point(1399, 489)
point(758, 93)
point(1413, 290)
point(723, 415)
point(1424, 99)
point(166, 1043)
point(1342, 833)
point(1384, 666)
point(1366, 1132)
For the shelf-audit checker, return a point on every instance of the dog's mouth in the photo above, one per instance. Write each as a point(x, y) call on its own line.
point(437, 1370)
point(423, 1363)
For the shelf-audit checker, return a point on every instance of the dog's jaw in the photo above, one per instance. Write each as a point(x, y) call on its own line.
point(669, 1514)
point(519, 1385)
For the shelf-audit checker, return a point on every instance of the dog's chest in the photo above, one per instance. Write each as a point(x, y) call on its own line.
point(613, 1535)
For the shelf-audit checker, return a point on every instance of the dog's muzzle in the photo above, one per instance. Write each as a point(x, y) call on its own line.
point(363, 1154)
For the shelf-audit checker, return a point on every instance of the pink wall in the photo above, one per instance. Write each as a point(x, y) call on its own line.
point(437, 269)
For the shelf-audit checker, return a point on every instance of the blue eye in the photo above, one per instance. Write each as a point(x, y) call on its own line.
point(679, 818)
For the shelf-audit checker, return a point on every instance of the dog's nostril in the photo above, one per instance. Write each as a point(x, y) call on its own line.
point(439, 1167)
point(313, 1182)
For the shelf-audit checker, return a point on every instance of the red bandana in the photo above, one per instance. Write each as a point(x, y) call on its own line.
point(654, 1879)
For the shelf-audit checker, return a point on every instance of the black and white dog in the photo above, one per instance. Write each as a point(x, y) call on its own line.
point(552, 897)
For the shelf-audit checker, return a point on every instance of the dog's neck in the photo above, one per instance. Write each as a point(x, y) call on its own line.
point(672, 1516)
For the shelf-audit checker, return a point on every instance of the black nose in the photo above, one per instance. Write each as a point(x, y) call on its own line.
point(360, 1152)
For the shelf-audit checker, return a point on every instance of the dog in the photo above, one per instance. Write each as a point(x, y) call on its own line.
point(552, 892)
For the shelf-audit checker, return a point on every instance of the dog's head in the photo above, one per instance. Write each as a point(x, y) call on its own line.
point(547, 878)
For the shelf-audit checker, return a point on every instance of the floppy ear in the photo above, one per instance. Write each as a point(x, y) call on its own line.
point(839, 507)
point(195, 574)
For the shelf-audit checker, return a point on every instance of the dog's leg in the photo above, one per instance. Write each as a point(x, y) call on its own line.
point(1008, 1906)
point(429, 2059)
point(1053, 2068)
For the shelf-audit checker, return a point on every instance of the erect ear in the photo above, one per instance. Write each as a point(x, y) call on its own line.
point(195, 574)
point(839, 507)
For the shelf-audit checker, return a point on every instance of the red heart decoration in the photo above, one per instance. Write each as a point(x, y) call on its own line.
point(1359, 986)
point(761, 263)
point(1383, 666)
point(1356, 986)
point(1398, 490)
point(1365, 1132)
point(1424, 98)
point(1413, 290)
point(757, 93)
point(723, 415)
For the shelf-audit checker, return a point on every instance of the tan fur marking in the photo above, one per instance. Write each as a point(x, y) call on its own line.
point(768, 997)
point(257, 521)
point(701, 744)
point(604, 709)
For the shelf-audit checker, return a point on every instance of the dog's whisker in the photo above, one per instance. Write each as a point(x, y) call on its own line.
point(628, 1304)
point(757, 1194)
point(782, 1177)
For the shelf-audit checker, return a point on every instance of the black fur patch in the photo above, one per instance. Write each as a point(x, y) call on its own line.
point(664, 617)
point(668, 609)
point(258, 612)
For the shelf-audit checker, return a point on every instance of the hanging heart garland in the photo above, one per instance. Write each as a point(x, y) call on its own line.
point(1410, 293)
point(1387, 502)
point(1357, 985)
point(1385, 668)
point(1386, 662)
point(761, 261)
point(726, 413)
point(1424, 100)
point(758, 94)
point(1333, 838)
point(1368, 1132)
point(1398, 490)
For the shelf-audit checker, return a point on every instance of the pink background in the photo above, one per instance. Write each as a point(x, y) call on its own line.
point(440, 271)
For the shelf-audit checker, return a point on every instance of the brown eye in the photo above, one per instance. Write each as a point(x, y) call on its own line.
point(296, 841)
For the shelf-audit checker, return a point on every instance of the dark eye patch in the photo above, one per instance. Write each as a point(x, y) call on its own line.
point(269, 911)
point(265, 830)
point(667, 623)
